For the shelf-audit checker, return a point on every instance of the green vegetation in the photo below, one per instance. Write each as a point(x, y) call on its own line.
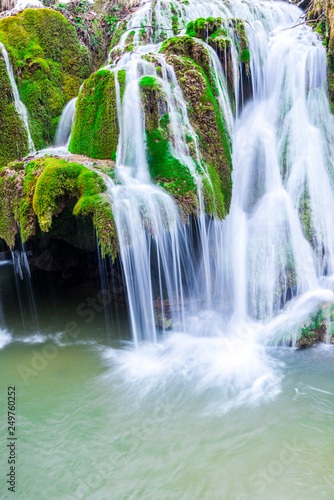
point(95, 24)
point(148, 81)
point(170, 174)
point(115, 53)
point(43, 189)
point(330, 63)
point(11, 189)
point(121, 75)
point(186, 46)
point(205, 117)
point(166, 170)
point(95, 131)
point(218, 33)
point(13, 135)
point(319, 327)
point(189, 47)
point(49, 63)
point(175, 20)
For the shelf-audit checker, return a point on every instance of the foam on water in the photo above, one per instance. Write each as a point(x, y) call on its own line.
point(5, 338)
point(227, 372)
point(232, 293)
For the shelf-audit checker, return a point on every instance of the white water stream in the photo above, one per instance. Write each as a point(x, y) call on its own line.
point(20, 107)
point(64, 129)
point(207, 410)
point(229, 278)
point(248, 266)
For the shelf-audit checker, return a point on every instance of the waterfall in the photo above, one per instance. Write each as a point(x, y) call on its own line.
point(20, 107)
point(64, 128)
point(277, 243)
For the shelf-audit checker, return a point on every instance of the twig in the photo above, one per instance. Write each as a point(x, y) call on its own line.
point(305, 22)
point(152, 27)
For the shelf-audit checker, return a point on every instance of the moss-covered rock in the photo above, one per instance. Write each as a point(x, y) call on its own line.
point(211, 29)
point(187, 46)
point(96, 130)
point(319, 327)
point(166, 170)
point(13, 135)
point(49, 64)
point(33, 195)
point(220, 34)
point(205, 118)
point(11, 192)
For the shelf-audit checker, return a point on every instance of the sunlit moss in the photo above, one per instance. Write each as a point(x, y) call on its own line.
point(49, 64)
point(95, 131)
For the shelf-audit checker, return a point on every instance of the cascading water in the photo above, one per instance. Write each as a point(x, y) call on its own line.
point(64, 129)
point(282, 162)
point(20, 107)
point(260, 257)
point(141, 211)
point(201, 403)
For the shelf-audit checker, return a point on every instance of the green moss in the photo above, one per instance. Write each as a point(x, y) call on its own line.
point(49, 64)
point(169, 173)
point(190, 31)
point(175, 24)
point(27, 216)
point(48, 185)
point(330, 58)
point(153, 101)
point(203, 28)
point(121, 75)
point(99, 209)
point(214, 202)
point(221, 32)
point(314, 330)
point(148, 81)
point(114, 52)
point(245, 56)
point(95, 131)
point(117, 35)
point(188, 47)
point(165, 169)
point(13, 136)
point(218, 33)
point(130, 38)
point(11, 181)
point(205, 117)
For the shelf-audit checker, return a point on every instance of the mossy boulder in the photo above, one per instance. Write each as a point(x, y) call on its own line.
point(96, 130)
point(220, 34)
point(165, 169)
point(33, 195)
point(210, 30)
point(187, 46)
point(11, 193)
point(13, 135)
point(205, 118)
point(49, 64)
